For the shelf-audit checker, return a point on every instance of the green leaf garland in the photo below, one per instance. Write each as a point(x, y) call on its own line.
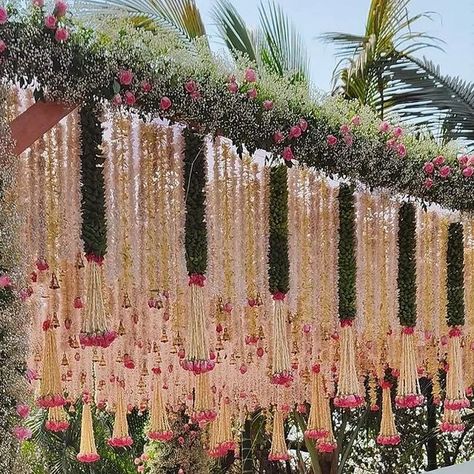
point(455, 275)
point(279, 262)
point(346, 254)
point(406, 279)
point(94, 227)
point(194, 186)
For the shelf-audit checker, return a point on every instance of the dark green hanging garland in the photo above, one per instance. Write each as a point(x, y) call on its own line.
point(347, 265)
point(455, 275)
point(94, 226)
point(406, 279)
point(194, 188)
point(278, 260)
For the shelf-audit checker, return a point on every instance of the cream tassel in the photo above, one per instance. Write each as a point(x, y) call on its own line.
point(281, 365)
point(388, 434)
point(57, 420)
point(221, 439)
point(120, 436)
point(203, 404)
point(88, 451)
point(159, 426)
point(278, 451)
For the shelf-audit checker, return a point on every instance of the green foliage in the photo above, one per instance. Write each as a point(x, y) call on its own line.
point(195, 237)
point(406, 278)
point(278, 259)
point(94, 228)
point(455, 275)
point(346, 254)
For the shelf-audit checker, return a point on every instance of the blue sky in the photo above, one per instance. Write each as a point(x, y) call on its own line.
point(453, 23)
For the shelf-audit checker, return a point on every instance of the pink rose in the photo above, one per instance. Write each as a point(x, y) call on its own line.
point(468, 171)
point(130, 98)
point(50, 22)
point(61, 35)
point(232, 87)
point(3, 16)
point(428, 183)
point(21, 433)
point(288, 154)
point(190, 87)
point(5, 281)
point(117, 100)
point(125, 77)
point(392, 144)
point(462, 160)
point(303, 124)
point(356, 120)
point(445, 171)
point(3, 46)
point(428, 167)
point(146, 87)
point(439, 160)
point(23, 410)
point(295, 132)
point(331, 140)
point(348, 140)
point(252, 93)
point(384, 127)
point(402, 150)
point(141, 468)
point(397, 132)
point(250, 75)
point(38, 3)
point(165, 103)
point(60, 8)
point(278, 137)
point(344, 129)
point(470, 161)
point(267, 104)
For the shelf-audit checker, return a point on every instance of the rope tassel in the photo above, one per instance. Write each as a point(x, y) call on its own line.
point(88, 450)
point(278, 451)
point(57, 420)
point(203, 405)
point(221, 439)
point(159, 427)
point(388, 434)
point(120, 436)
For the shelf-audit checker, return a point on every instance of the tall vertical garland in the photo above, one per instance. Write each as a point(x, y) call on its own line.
point(279, 273)
point(349, 390)
point(197, 358)
point(456, 398)
point(408, 389)
point(94, 331)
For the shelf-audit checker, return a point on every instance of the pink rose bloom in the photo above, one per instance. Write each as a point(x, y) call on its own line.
point(62, 34)
point(23, 410)
point(439, 160)
point(190, 87)
point(402, 150)
point(5, 281)
point(397, 132)
point(252, 93)
point(303, 124)
point(232, 87)
point(288, 154)
point(3, 46)
point(60, 8)
point(331, 140)
point(428, 167)
point(384, 127)
point(295, 132)
point(348, 140)
point(445, 171)
point(356, 120)
point(38, 3)
point(267, 104)
point(278, 137)
point(470, 161)
point(250, 75)
point(344, 129)
point(146, 87)
point(468, 171)
point(3, 16)
point(462, 160)
point(125, 77)
point(130, 98)
point(392, 144)
point(117, 100)
point(141, 468)
point(50, 22)
point(21, 433)
point(165, 103)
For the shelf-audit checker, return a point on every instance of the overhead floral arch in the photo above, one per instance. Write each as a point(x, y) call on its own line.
point(163, 254)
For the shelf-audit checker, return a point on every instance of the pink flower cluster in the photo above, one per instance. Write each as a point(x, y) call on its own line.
point(349, 401)
point(438, 168)
point(3, 16)
point(23, 411)
point(296, 131)
point(447, 427)
point(409, 401)
point(198, 366)
point(466, 164)
point(391, 440)
point(324, 446)
point(21, 433)
point(222, 449)
point(42, 264)
point(197, 279)
point(316, 434)
point(51, 401)
point(51, 21)
point(251, 339)
point(162, 436)
point(101, 339)
point(192, 88)
point(87, 457)
point(122, 442)
point(5, 281)
point(278, 457)
point(204, 416)
point(456, 403)
point(56, 426)
point(393, 136)
point(284, 377)
point(3, 46)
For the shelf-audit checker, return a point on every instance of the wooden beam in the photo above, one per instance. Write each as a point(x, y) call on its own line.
point(34, 122)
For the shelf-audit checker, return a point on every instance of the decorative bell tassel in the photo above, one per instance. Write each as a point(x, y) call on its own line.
point(88, 450)
point(197, 358)
point(159, 427)
point(281, 364)
point(349, 390)
point(388, 434)
point(120, 436)
point(94, 332)
point(204, 411)
point(221, 439)
point(51, 394)
point(57, 420)
point(408, 389)
point(278, 450)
